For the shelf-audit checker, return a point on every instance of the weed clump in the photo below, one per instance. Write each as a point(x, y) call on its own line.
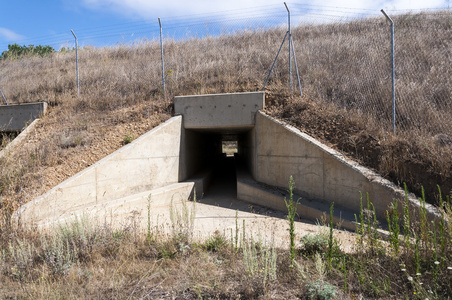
point(85, 260)
point(311, 244)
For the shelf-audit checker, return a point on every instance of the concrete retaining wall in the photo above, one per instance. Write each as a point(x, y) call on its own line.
point(16, 117)
point(149, 162)
point(319, 171)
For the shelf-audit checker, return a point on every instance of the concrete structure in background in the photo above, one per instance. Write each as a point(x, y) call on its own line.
point(16, 117)
point(180, 156)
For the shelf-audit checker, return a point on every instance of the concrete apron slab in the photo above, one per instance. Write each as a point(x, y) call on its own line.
point(233, 217)
point(224, 215)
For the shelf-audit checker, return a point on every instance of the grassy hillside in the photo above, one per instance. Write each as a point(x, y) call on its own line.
point(345, 103)
point(345, 75)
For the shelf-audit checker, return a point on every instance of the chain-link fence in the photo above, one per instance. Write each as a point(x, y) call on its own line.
point(343, 58)
point(350, 64)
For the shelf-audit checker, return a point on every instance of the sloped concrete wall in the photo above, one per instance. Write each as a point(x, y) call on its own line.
point(149, 162)
point(133, 210)
point(16, 143)
point(319, 172)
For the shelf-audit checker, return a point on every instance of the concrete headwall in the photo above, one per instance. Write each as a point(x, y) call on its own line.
point(219, 111)
point(319, 172)
point(16, 116)
point(149, 162)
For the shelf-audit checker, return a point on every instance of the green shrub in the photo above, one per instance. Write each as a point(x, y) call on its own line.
point(127, 139)
point(291, 212)
point(215, 242)
point(313, 243)
point(15, 50)
point(321, 290)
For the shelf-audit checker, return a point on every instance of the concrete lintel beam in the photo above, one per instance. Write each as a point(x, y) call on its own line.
point(219, 111)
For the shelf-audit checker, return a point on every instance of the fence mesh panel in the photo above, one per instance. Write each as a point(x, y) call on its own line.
point(341, 60)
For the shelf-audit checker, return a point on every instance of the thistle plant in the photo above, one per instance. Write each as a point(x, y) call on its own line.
point(291, 211)
point(393, 224)
point(330, 239)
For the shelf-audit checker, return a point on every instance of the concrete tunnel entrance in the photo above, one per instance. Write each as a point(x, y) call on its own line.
point(217, 144)
point(213, 126)
point(218, 155)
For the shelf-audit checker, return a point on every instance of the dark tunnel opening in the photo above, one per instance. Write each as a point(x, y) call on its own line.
point(219, 153)
point(224, 180)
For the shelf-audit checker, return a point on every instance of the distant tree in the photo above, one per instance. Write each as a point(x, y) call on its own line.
point(68, 49)
point(15, 50)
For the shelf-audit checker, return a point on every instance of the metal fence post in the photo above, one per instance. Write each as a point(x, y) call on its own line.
point(291, 47)
point(3, 97)
point(76, 61)
point(393, 72)
point(271, 69)
point(163, 64)
point(296, 65)
point(290, 56)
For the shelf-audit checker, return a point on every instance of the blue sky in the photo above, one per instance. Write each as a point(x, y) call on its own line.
point(109, 22)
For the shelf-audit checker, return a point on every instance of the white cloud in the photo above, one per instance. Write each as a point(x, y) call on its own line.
point(10, 35)
point(150, 9)
point(415, 4)
point(146, 9)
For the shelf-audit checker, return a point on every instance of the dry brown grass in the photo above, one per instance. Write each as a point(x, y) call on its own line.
point(78, 261)
point(106, 264)
point(346, 103)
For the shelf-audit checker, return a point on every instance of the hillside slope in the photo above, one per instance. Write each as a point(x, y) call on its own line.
point(121, 97)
